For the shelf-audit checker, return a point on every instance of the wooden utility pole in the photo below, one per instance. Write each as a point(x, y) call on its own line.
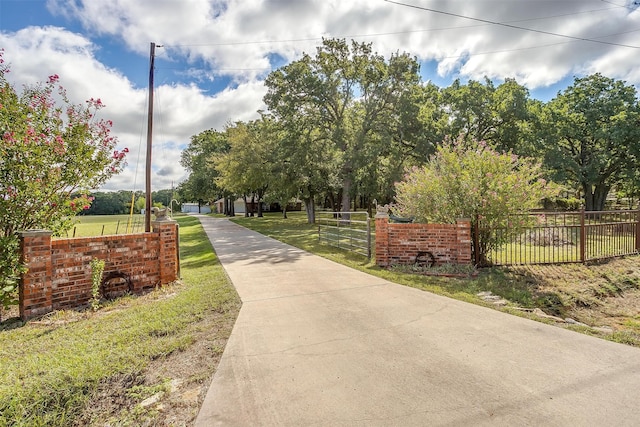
point(148, 204)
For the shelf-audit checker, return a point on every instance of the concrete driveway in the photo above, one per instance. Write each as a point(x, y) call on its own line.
point(320, 344)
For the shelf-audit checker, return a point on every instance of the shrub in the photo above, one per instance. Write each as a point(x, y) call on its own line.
point(51, 153)
point(472, 180)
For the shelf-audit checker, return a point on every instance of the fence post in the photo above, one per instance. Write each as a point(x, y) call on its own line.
point(463, 237)
point(583, 235)
point(638, 229)
point(167, 231)
point(476, 241)
point(369, 236)
point(35, 284)
point(382, 236)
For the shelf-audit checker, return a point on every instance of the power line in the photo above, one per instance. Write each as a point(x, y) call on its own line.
point(635, 3)
point(445, 57)
point(393, 33)
point(503, 24)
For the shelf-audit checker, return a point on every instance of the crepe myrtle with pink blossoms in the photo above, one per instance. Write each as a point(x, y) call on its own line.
point(52, 153)
point(470, 179)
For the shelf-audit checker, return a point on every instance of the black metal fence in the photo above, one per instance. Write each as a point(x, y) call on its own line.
point(557, 237)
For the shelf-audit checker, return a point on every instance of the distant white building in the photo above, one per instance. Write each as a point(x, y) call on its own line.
point(194, 208)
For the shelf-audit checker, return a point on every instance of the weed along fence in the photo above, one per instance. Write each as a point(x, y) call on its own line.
point(562, 237)
point(59, 274)
point(408, 243)
point(346, 230)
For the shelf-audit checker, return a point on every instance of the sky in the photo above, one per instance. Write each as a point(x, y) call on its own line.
point(216, 54)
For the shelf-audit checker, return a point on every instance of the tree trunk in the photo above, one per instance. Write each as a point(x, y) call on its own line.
point(332, 202)
point(284, 211)
point(346, 196)
point(246, 207)
point(260, 196)
point(310, 208)
point(600, 196)
point(595, 197)
point(232, 207)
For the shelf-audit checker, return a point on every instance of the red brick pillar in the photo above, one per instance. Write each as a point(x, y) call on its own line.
point(382, 238)
point(464, 241)
point(168, 252)
point(35, 284)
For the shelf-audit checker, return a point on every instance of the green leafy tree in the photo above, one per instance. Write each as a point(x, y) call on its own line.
point(497, 115)
point(345, 94)
point(52, 153)
point(109, 203)
point(591, 134)
point(246, 169)
point(420, 121)
point(199, 159)
point(472, 180)
point(140, 204)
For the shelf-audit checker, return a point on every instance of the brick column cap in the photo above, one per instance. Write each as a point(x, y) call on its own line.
point(382, 211)
point(35, 232)
point(164, 221)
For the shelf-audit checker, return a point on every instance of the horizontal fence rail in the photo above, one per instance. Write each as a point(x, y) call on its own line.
point(346, 230)
point(559, 237)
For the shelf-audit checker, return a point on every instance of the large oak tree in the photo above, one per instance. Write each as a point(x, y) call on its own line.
point(592, 136)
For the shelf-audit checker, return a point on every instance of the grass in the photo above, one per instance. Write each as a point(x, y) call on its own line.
point(51, 368)
point(604, 294)
point(98, 225)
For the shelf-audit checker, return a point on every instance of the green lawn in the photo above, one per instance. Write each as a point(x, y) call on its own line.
point(53, 368)
point(99, 225)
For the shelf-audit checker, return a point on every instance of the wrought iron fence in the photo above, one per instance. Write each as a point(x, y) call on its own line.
point(557, 237)
point(346, 230)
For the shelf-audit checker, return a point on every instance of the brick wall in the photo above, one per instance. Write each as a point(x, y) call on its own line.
point(59, 272)
point(400, 243)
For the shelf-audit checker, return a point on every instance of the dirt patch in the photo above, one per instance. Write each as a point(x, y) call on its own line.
point(599, 295)
point(170, 390)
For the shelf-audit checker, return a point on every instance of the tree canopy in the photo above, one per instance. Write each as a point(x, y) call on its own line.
point(342, 125)
point(199, 159)
point(346, 95)
point(592, 136)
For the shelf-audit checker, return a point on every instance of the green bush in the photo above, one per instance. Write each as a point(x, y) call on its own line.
point(471, 180)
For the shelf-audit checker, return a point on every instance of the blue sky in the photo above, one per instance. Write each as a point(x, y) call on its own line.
point(217, 53)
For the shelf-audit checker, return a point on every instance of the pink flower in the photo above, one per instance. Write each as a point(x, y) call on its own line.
point(54, 78)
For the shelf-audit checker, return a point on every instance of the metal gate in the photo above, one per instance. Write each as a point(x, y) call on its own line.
point(350, 231)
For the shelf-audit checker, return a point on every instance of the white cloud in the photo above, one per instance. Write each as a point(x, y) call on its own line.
point(180, 111)
point(203, 29)
point(237, 39)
